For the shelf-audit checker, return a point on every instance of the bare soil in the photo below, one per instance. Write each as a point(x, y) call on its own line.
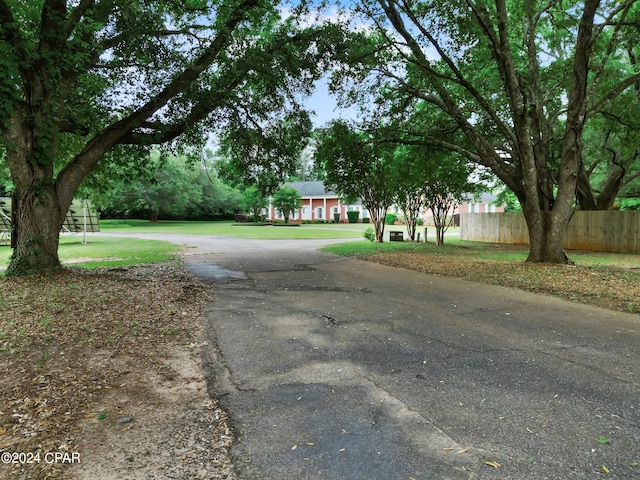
point(105, 367)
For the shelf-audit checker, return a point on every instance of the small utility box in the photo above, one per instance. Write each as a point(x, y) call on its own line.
point(395, 237)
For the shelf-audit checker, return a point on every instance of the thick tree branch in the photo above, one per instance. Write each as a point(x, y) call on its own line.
point(73, 173)
point(76, 15)
point(613, 40)
point(450, 104)
point(571, 163)
point(12, 36)
point(52, 38)
point(460, 79)
point(71, 126)
point(613, 93)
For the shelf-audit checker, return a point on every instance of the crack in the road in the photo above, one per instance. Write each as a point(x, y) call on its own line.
point(311, 288)
point(593, 368)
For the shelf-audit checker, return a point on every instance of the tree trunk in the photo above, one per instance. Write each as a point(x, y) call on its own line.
point(377, 218)
point(587, 198)
point(38, 218)
point(410, 224)
point(546, 233)
point(378, 224)
point(40, 205)
point(411, 207)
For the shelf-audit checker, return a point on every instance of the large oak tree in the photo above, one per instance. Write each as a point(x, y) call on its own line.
point(81, 79)
point(519, 80)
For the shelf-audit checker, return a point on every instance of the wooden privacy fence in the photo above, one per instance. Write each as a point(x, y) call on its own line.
point(604, 231)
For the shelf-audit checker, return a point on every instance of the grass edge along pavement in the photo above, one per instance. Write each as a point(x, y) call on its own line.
point(607, 280)
point(602, 279)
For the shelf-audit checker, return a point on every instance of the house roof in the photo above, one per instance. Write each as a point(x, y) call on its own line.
point(316, 189)
point(312, 189)
point(485, 197)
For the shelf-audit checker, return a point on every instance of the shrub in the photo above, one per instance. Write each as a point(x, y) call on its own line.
point(420, 222)
point(390, 218)
point(353, 215)
point(369, 234)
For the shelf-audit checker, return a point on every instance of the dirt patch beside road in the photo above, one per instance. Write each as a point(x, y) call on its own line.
point(104, 377)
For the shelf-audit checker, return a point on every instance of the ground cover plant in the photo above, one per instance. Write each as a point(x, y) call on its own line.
point(609, 280)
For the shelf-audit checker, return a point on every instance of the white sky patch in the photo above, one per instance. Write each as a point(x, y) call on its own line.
point(322, 105)
point(332, 15)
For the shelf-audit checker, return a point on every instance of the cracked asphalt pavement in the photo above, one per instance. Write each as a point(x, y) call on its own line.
point(332, 368)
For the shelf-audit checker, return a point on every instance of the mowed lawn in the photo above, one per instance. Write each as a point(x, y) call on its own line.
point(609, 280)
point(233, 229)
point(106, 251)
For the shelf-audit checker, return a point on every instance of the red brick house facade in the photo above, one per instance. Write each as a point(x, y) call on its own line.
point(318, 203)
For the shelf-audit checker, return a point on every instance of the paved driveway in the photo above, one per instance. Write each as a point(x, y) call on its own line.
point(339, 369)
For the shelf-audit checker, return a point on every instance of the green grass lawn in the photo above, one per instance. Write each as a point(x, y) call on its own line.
point(107, 251)
point(460, 249)
point(113, 251)
point(232, 229)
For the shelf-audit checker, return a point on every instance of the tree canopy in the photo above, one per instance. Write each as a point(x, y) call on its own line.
point(171, 187)
point(517, 86)
point(356, 166)
point(287, 200)
point(84, 82)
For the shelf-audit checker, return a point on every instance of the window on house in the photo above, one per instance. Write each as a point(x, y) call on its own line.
point(319, 212)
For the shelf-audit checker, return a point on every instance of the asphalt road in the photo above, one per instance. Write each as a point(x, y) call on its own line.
point(332, 368)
